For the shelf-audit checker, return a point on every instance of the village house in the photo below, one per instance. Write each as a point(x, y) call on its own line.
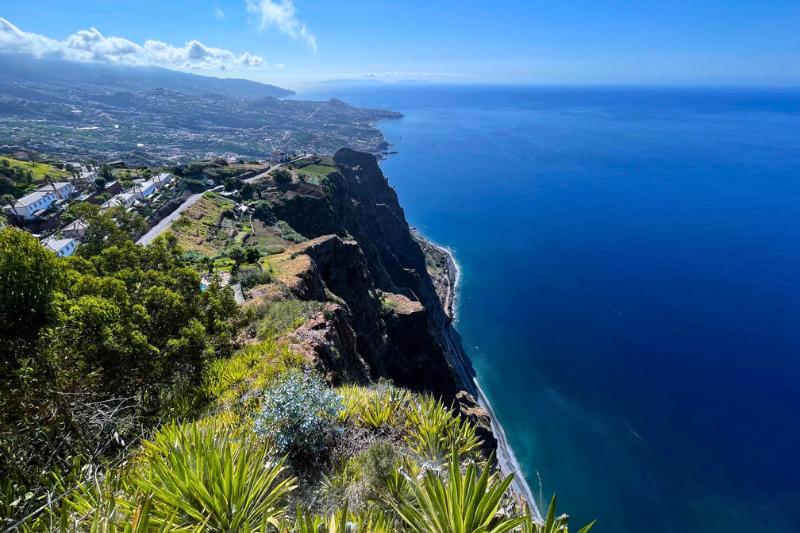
point(280, 157)
point(145, 190)
point(34, 204)
point(75, 230)
point(62, 247)
point(163, 179)
point(125, 199)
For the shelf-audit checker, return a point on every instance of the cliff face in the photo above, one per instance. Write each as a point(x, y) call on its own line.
point(383, 318)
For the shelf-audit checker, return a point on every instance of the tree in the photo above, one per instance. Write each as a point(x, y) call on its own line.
point(29, 277)
point(252, 254)
point(107, 228)
point(237, 254)
point(106, 172)
point(10, 200)
point(100, 184)
point(282, 176)
point(246, 191)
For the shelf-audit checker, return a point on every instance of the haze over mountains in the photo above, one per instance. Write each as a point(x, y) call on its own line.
point(100, 77)
point(150, 114)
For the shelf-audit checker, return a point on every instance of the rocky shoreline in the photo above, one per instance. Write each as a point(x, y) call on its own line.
point(445, 273)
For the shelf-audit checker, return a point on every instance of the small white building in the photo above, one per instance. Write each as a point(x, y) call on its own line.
point(63, 189)
point(32, 205)
point(75, 230)
point(124, 199)
point(280, 157)
point(163, 179)
point(145, 190)
point(62, 247)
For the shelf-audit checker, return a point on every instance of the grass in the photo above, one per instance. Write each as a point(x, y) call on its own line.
point(38, 170)
point(282, 317)
point(316, 173)
point(194, 227)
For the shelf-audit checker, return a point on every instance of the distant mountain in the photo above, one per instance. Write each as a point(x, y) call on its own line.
point(100, 78)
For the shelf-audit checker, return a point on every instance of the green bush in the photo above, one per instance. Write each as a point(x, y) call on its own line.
point(298, 415)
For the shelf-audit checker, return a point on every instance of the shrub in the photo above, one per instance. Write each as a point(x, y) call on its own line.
point(282, 176)
point(552, 523)
point(298, 415)
point(465, 503)
point(435, 432)
point(283, 317)
point(212, 477)
point(249, 277)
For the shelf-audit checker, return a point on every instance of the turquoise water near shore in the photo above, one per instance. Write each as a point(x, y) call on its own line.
point(631, 287)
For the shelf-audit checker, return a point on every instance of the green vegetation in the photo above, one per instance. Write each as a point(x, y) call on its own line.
point(38, 171)
point(316, 174)
point(93, 349)
point(134, 400)
point(197, 227)
point(284, 316)
point(462, 503)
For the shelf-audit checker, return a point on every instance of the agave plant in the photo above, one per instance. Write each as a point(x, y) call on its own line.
point(552, 523)
point(434, 432)
point(341, 521)
point(464, 503)
point(378, 412)
point(214, 478)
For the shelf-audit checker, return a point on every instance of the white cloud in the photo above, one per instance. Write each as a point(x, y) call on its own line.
point(91, 45)
point(281, 14)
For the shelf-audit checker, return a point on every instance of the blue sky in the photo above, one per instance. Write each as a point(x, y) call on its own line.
point(737, 42)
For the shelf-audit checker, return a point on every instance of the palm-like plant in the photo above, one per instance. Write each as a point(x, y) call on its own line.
point(552, 523)
point(465, 503)
point(341, 522)
point(435, 432)
point(214, 478)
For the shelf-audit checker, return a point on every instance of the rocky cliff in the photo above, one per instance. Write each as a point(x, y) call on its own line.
point(382, 317)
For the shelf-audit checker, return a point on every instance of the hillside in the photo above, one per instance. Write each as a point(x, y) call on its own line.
point(326, 402)
point(156, 116)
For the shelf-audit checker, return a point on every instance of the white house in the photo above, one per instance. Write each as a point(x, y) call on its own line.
point(31, 205)
point(280, 157)
point(62, 247)
point(125, 199)
point(163, 179)
point(75, 230)
point(145, 190)
point(64, 190)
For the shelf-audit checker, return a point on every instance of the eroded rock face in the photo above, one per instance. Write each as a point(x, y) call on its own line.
point(469, 409)
point(328, 338)
point(368, 332)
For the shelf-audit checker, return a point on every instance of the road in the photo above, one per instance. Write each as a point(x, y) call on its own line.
point(263, 174)
point(159, 228)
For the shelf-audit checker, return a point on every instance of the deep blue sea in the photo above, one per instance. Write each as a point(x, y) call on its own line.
point(631, 287)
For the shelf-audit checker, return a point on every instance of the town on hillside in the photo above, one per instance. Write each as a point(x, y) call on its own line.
point(46, 197)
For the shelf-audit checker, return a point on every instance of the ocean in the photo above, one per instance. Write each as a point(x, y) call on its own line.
point(630, 296)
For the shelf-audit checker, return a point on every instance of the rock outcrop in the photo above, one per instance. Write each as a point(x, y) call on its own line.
point(386, 316)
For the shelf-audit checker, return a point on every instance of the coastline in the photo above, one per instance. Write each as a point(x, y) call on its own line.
point(448, 282)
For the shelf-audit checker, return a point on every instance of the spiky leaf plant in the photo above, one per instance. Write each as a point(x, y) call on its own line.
point(341, 521)
point(552, 523)
point(434, 432)
point(463, 503)
point(212, 477)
